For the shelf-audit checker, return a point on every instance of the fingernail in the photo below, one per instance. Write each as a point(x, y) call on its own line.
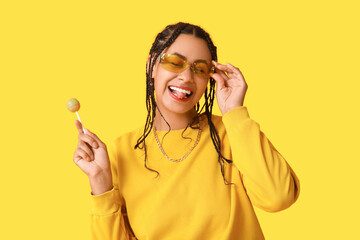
point(94, 144)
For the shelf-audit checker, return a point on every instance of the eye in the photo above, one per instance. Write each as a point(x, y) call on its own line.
point(175, 61)
point(177, 64)
point(201, 68)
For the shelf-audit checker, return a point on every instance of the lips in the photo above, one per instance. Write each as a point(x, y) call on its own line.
point(180, 93)
point(181, 87)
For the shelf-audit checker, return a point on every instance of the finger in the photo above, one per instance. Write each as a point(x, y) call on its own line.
point(84, 147)
point(238, 75)
point(236, 71)
point(93, 135)
point(80, 154)
point(221, 67)
point(89, 140)
point(231, 71)
point(236, 83)
point(79, 126)
point(221, 70)
point(220, 81)
point(223, 74)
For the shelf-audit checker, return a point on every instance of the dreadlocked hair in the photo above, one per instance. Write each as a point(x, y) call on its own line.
point(163, 40)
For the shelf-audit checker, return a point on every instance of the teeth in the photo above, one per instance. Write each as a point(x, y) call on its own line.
point(180, 90)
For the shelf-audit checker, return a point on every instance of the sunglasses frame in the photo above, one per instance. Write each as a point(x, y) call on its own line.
point(187, 63)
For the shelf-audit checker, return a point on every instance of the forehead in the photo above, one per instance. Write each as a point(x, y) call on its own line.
point(193, 48)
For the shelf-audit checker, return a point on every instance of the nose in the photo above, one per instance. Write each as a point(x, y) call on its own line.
point(186, 75)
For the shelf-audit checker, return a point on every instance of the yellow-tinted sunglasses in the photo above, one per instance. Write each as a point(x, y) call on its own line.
point(176, 63)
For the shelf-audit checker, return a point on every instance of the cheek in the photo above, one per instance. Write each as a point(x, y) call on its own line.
point(162, 79)
point(202, 86)
point(159, 92)
point(160, 87)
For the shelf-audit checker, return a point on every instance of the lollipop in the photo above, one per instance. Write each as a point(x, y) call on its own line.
point(73, 105)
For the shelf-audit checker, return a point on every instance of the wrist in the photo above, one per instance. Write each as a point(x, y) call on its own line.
point(101, 183)
point(228, 109)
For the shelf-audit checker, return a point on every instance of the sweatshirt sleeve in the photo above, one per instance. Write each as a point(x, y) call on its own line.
point(106, 218)
point(269, 181)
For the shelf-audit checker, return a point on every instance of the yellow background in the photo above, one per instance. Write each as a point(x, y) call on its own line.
point(299, 58)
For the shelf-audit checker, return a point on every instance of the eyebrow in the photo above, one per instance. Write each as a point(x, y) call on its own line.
point(178, 54)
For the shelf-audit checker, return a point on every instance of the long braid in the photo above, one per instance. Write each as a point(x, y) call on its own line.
point(150, 99)
point(213, 132)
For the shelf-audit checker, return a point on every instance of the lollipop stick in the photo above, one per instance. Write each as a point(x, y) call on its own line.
point(80, 121)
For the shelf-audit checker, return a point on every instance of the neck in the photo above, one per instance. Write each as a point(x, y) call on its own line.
point(175, 120)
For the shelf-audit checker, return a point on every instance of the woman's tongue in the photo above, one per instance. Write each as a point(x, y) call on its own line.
point(180, 95)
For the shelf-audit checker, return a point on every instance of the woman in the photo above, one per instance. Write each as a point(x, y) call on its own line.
point(188, 174)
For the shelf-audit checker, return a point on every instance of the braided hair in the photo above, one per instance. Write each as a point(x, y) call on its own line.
point(163, 40)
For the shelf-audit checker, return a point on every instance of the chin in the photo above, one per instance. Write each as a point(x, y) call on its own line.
point(181, 110)
point(177, 108)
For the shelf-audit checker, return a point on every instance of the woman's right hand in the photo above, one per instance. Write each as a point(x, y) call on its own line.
point(92, 158)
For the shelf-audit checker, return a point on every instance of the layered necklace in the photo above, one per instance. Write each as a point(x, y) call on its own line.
point(186, 154)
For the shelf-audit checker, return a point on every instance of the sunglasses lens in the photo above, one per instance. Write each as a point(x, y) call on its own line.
point(177, 64)
point(201, 68)
point(173, 63)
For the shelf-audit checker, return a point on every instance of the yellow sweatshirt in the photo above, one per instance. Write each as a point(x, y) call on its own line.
point(189, 200)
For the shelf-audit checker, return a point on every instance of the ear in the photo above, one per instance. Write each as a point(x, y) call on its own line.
point(154, 72)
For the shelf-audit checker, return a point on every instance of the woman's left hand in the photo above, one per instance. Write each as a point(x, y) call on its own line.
point(230, 87)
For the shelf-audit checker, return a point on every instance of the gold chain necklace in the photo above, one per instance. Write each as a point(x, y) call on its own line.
point(186, 154)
